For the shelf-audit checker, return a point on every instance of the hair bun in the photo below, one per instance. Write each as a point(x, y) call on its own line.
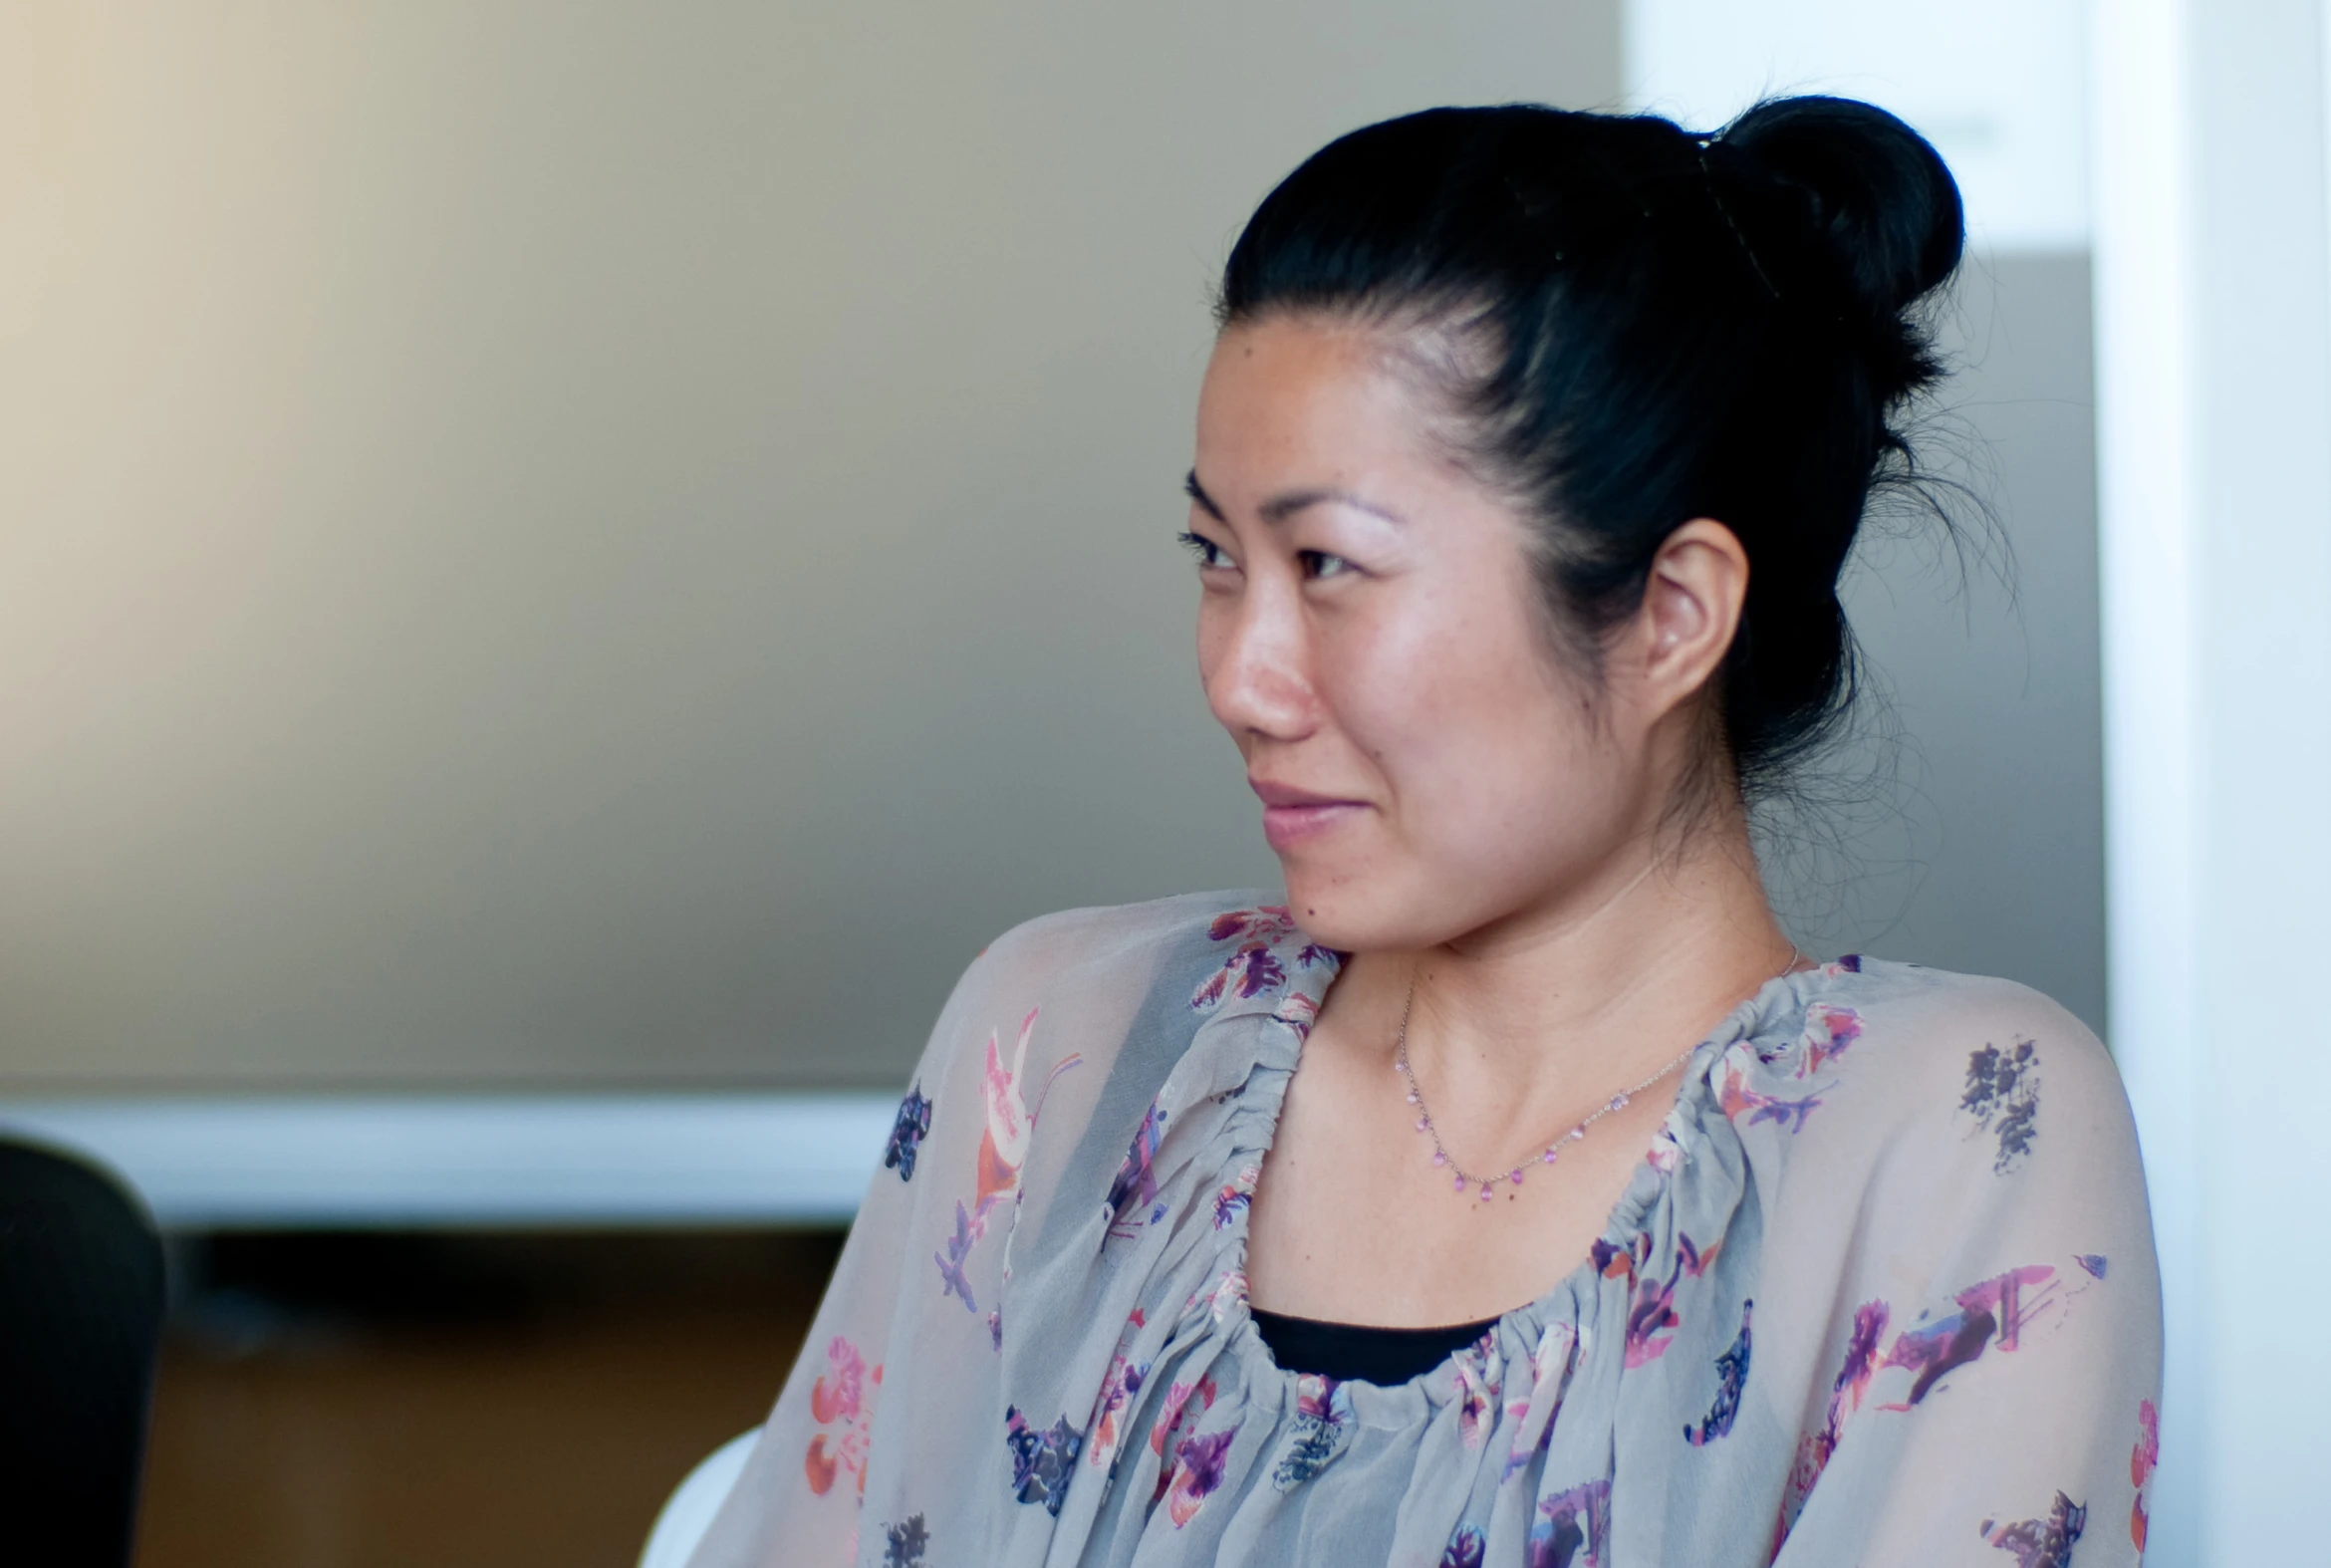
point(1877, 188)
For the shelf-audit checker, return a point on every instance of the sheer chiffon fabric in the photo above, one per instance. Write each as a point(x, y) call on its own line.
point(1881, 1291)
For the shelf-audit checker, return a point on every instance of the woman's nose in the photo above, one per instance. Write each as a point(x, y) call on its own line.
point(1259, 682)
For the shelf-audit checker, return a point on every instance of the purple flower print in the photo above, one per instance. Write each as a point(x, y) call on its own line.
point(1573, 1527)
point(1254, 968)
point(1259, 970)
point(907, 1133)
point(2002, 1097)
point(1135, 1188)
point(1322, 1414)
point(1858, 1367)
point(952, 1280)
point(1198, 1467)
point(905, 1544)
point(1790, 1115)
point(1731, 1379)
point(1994, 1311)
point(1829, 1030)
point(1044, 1461)
point(2042, 1543)
point(1650, 1320)
point(1228, 1204)
point(1465, 1549)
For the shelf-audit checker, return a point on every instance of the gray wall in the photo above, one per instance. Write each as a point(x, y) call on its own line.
point(1964, 827)
point(616, 544)
point(592, 543)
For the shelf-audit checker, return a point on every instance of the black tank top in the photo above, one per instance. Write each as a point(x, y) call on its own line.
point(1357, 1353)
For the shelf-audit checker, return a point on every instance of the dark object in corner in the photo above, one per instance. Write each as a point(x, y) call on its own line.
point(81, 1311)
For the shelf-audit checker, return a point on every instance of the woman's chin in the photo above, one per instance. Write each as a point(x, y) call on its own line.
point(1347, 913)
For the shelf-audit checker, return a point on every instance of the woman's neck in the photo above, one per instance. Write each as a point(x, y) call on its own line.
point(1559, 1006)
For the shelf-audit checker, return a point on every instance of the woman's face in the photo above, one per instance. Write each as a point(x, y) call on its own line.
point(1370, 635)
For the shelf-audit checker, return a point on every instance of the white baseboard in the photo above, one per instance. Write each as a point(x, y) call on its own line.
point(486, 1160)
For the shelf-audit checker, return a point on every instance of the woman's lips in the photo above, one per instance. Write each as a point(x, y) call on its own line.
point(1291, 815)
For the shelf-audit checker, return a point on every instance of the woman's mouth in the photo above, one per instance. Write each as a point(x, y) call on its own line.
point(1293, 816)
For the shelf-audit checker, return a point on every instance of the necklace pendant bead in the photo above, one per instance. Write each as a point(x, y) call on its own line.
point(1550, 1157)
point(1421, 1123)
point(1460, 1183)
point(1484, 1191)
point(1514, 1175)
point(1439, 1158)
point(1618, 1101)
point(1411, 1097)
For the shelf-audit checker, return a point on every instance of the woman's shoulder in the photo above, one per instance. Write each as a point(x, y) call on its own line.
point(1965, 1075)
point(1102, 969)
point(1109, 940)
point(1975, 1036)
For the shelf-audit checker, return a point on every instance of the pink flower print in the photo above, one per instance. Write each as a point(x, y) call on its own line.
point(1829, 1030)
point(1267, 923)
point(1298, 1012)
point(1199, 1465)
point(1235, 1195)
point(1178, 1397)
point(1003, 1147)
point(1747, 1107)
point(1117, 1392)
point(1666, 1150)
point(1479, 1370)
point(839, 1400)
point(1550, 1365)
point(1652, 1321)
point(839, 1392)
point(2142, 1459)
point(1228, 1292)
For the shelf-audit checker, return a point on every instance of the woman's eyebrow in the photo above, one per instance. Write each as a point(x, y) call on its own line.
point(1281, 507)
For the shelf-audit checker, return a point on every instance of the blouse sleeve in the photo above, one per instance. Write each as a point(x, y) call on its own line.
point(1987, 1387)
point(910, 1284)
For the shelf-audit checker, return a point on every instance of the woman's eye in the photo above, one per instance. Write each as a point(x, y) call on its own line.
point(1318, 563)
point(1208, 553)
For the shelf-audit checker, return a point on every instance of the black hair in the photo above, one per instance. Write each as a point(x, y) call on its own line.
point(1648, 326)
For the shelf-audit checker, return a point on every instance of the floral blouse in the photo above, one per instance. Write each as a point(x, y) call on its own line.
point(1882, 1291)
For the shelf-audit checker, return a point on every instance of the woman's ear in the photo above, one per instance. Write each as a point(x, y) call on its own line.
point(1691, 612)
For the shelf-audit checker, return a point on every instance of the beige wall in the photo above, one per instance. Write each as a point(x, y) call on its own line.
point(574, 543)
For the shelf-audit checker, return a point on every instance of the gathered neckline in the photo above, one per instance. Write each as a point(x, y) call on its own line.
point(1782, 995)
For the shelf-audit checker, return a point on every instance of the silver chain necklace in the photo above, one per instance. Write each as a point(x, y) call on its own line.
point(1618, 1101)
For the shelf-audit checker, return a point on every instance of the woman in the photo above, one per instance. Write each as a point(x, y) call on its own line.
point(1515, 1192)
